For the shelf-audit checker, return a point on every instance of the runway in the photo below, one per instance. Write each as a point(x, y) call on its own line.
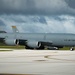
point(37, 62)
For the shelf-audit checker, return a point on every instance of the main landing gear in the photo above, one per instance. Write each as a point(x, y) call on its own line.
point(72, 49)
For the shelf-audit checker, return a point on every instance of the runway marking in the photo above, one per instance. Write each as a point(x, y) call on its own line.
point(22, 56)
point(48, 57)
point(40, 60)
point(45, 56)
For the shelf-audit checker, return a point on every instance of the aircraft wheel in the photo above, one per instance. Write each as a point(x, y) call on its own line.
point(42, 47)
point(27, 47)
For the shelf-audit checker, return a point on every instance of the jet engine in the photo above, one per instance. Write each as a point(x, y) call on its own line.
point(33, 44)
point(11, 42)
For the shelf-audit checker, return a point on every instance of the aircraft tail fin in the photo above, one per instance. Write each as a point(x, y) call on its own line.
point(15, 30)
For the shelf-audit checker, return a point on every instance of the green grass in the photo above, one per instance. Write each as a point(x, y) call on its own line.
point(3, 45)
point(65, 48)
point(23, 47)
point(5, 50)
point(12, 47)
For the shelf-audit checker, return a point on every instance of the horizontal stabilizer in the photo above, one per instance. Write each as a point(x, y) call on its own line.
point(2, 32)
point(2, 29)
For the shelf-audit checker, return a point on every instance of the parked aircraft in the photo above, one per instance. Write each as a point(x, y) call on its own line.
point(38, 40)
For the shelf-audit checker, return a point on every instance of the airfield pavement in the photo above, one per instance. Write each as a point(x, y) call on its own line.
point(37, 62)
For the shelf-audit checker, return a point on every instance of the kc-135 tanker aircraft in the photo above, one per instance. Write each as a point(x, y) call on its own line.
point(38, 40)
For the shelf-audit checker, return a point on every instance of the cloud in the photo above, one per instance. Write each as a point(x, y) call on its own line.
point(43, 7)
point(39, 24)
point(38, 16)
point(71, 3)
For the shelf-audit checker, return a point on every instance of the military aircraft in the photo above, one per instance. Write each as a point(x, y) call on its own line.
point(38, 40)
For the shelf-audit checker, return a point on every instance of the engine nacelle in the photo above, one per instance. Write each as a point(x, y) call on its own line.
point(33, 44)
point(11, 42)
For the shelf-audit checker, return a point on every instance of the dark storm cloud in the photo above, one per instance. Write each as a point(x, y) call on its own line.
point(37, 7)
point(71, 3)
point(17, 6)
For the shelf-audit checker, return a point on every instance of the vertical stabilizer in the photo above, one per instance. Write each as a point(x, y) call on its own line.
point(15, 30)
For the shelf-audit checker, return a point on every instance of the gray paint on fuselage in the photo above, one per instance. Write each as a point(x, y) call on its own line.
point(56, 38)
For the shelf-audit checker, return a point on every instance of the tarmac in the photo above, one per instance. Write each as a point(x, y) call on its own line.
point(37, 62)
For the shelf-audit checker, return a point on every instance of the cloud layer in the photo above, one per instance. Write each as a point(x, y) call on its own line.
point(39, 24)
point(38, 16)
point(43, 7)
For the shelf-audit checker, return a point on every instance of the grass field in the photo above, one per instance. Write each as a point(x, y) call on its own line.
point(3, 45)
point(12, 47)
point(65, 48)
point(23, 47)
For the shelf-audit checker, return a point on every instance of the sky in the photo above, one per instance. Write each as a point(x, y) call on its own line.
point(38, 16)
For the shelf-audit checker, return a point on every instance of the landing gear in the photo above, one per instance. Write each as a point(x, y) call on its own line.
point(27, 47)
point(72, 49)
point(40, 48)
